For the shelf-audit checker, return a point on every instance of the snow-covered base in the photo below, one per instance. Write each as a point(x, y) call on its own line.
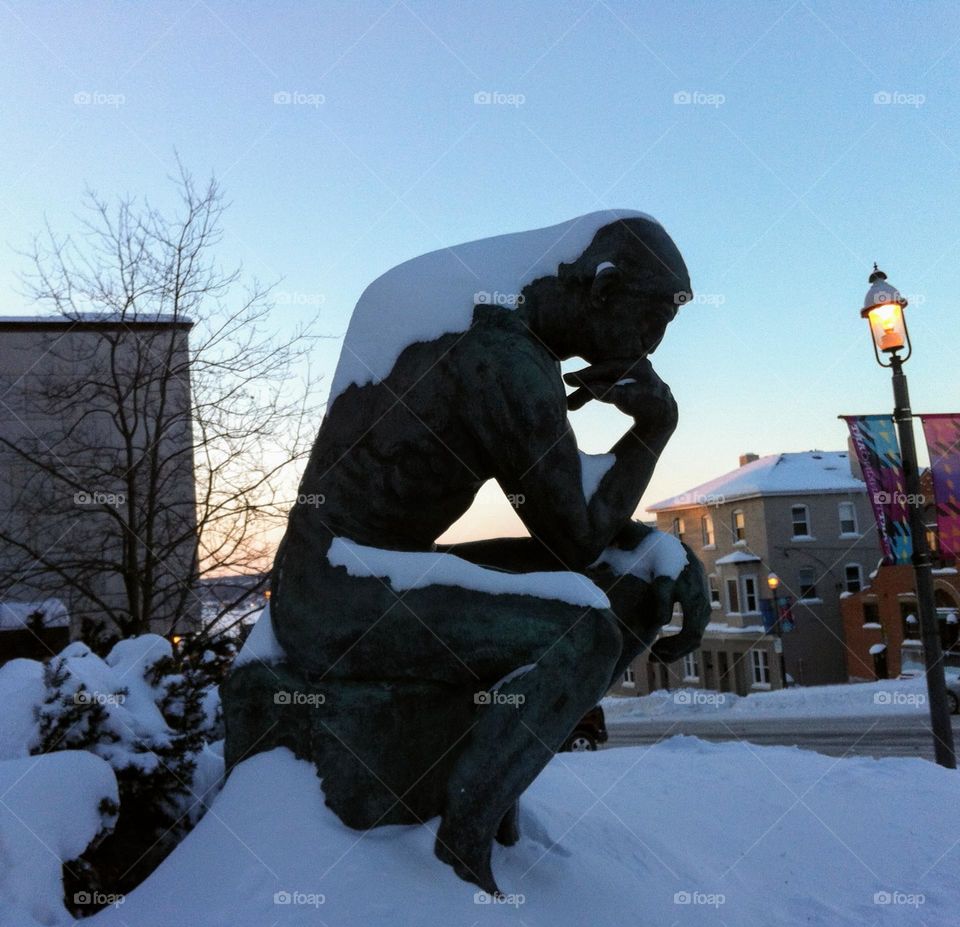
point(888, 696)
point(681, 833)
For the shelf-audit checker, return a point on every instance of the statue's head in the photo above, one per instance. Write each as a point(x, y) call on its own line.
point(621, 293)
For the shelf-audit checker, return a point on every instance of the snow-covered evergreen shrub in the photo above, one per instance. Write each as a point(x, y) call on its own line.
point(152, 718)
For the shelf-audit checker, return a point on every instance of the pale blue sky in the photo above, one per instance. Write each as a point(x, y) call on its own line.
point(781, 181)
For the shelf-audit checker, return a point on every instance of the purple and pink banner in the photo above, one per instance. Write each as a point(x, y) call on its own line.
point(943, 442)
point(875, 441)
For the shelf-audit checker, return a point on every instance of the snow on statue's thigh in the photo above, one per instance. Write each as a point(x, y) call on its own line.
point(415, 570)
point(435, 294)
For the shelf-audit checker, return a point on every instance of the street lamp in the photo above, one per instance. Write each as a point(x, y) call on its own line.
point(773, 582)
point(883, 307)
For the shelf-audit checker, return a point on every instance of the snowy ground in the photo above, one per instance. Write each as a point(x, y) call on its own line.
point(681, 833)
point(889, 696)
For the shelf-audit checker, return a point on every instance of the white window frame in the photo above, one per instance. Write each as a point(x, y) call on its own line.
point(691, 667)
point(707, 537)
point(846, 579)
point(629, 677)
point(745, 598)
point(733, 524)
point(800, 535)
point(760, 667)
point(678, 528)
point(853, 517)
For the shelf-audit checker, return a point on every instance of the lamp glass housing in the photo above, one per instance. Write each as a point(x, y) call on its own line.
point(887, 327)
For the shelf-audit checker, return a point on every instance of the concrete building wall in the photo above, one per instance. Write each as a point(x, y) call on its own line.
point(44, 365)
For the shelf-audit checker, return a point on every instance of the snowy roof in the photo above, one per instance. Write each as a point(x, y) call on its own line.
point(95, 318)
point(435, 294)
point(738, 556)
point(774, 475)
point(16, 615)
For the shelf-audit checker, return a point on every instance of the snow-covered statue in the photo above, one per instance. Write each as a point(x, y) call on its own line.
point(428, 681)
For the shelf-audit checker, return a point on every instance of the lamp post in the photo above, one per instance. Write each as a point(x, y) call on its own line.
point(773, 582)
point(883, 308)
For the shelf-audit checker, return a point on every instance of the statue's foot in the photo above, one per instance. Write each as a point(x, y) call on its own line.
point(469, 860)
point(509, 831)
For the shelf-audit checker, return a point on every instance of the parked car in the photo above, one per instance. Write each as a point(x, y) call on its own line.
point(591, 730)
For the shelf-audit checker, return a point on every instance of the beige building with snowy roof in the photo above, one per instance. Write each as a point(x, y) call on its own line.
point(804, 517)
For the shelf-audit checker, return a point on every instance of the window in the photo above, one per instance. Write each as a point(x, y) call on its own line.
point(750, 593)
point(706, 531)
point(761, 667)
point(801, 521)
point(848, 518)
point(908, 619)
point(678, 527)
point(714, 591)
point(733, 598)
point(808, 583)
point(739, 526)
point(871, 614)
point(853, 577)
point(691, 668)
point(629, 678)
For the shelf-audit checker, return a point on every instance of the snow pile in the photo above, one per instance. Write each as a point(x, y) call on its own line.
point(261, 645)
point(657, 830)
point(658, 554)
point(887, 696)
point(52, 613)
point(21, 692)
point(435, 294)
point(132, 720)
point(414, 570)
point(49, 814)
point(593, 468)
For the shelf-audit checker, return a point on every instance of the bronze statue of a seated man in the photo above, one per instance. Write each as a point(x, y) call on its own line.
point(426, 407)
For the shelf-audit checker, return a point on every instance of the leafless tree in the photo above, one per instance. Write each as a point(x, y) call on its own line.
point(156, 438)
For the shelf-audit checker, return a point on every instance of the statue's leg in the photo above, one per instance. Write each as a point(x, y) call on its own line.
point(335, 625)
point(631, 599)
point(571, 653)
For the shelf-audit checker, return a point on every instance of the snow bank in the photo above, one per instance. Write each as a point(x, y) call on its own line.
point(435, 294)
point(658, 833)
point(658, 554)
point(413, 570)
point(49, 814)
point(21, 692)
point(888, 696)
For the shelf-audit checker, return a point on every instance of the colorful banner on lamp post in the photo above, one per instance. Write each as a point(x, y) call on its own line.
point(875, 441)
point(943, 442)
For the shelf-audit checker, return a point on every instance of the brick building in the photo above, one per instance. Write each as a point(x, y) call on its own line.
point(880, 621)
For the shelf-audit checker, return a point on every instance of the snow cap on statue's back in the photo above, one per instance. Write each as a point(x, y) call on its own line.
point(436, 293)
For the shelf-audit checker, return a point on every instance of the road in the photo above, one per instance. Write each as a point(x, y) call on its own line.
point(869, 735)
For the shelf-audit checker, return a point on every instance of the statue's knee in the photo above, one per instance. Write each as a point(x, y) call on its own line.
point(596, 640)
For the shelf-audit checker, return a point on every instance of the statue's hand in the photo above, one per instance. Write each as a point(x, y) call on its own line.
point(632, 386)
point(690, 590)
